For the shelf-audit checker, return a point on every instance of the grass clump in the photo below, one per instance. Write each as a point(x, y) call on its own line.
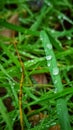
point(36, 65)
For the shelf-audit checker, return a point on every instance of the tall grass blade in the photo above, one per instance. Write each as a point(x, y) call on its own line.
point(5, 116)
point(62, 111)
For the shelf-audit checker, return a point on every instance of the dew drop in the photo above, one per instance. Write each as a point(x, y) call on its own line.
point(13, 84)
point(48, 57)
point(55, 91)
point(49, 46)
point(21, 70)
point(59, 17)
point(55, 71)
point(11, 70)
point(64, 17)
point(32, 61)
point(41, 38)
point(49, 4)
point(52, 30)
point(53, 123)
point(12, 87)
point(55, 81)
point(48, 64)
point(23, 53)
point(69, 38)
point(13, 119)
point(47, 126)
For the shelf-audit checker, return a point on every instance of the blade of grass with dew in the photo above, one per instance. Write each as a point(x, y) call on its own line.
point(52, 96)
point(57, 34)
point(55, 42)
point(62, 16)
point(5, 72)
point(13, 91)
point(10, 79)
point(62, 111)
point(5, 115)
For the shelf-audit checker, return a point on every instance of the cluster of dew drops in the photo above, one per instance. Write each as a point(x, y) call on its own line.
point(48, 58)
point(55, 70)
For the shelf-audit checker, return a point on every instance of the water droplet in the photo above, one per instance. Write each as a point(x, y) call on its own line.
point(12, 87)
point(41, 38)
point(21, 70)
point(32, 60)
point(55, 81)
point(53, 123)
point(55, 71)
point(47, 126)
point(13, 84)
point(59, 17)
point(60, 44)
point(55, 91)
point(48, 57)
point(49, 46)
point(49, 4)
point(13, 119)
point(48, 64)
point(52, 30)
point(23, 53)
point(64, 17)
point(11, 70)
point(69, 38)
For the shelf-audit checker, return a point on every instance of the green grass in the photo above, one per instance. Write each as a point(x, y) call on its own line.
point(44, 41)
point(54, 71)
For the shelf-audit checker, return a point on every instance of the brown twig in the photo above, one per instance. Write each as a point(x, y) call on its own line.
point(21, 85)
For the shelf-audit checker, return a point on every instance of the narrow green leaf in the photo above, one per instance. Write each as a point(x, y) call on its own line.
point(16, 28)
point(62, 111)
point(5, 116)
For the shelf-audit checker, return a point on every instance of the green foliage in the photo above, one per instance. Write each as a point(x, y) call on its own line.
point(54, 70)
point(44, 41)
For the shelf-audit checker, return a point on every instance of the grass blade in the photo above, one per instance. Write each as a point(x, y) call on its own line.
point(5, 115)
point(54, 71)
point(16, 28)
